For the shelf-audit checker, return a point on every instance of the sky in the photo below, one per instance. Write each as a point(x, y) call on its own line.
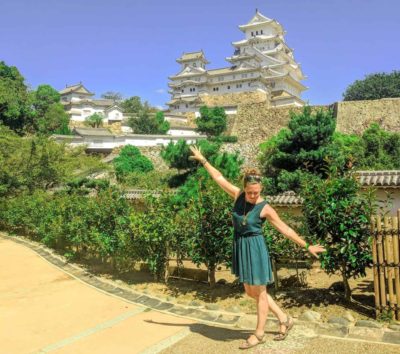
point(130, 46)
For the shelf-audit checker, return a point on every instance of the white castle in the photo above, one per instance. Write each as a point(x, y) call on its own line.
point(262, 62)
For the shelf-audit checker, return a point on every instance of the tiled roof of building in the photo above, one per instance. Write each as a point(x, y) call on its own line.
point(192, 56)
point(285, 199)
point(389, 178)
point(92, 132)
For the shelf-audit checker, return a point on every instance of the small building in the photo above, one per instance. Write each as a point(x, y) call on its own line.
point(79, 103)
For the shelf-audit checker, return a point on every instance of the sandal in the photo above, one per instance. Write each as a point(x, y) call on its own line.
point(248, 345)
point(288, 324)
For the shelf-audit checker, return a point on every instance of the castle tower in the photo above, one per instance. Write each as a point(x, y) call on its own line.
point(262, 65)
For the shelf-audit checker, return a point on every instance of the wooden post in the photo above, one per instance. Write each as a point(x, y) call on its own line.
point(375, 265)
point(396, 261)
point(389, 260)
point(382, 285)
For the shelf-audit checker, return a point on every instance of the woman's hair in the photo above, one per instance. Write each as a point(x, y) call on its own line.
point(251, 176)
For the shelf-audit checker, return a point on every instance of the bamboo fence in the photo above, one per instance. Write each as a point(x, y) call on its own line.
point(386, 264)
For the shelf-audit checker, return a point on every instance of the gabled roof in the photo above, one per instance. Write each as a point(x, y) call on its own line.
point(115, 106)
point(259, 19)
point(78, 88)
point(192, 56)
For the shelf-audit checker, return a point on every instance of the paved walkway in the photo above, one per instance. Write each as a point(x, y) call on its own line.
point(43, 310)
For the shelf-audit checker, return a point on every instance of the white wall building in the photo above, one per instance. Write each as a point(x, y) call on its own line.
point(261, 61)
point(79, 104)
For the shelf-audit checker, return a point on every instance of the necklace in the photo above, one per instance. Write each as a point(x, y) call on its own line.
point(244, 221)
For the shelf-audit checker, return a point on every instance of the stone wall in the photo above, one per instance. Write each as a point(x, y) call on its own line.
point(255, 123)
point(356, 116)
point(153, 153)
point(233, 99)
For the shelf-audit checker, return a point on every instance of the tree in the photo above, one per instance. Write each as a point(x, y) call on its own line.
point(301, 148)
point(162, 125)
point(129, 160)
point(374, 86)
point(212, 121)
point(112, 95)
point(211, 241)
point(15, 110)
point(338, 217)
point(134, 105)
point(54, 121)
point(44, 97)
point(95, 120)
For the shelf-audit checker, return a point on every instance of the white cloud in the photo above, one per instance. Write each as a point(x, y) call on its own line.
point(160, 91)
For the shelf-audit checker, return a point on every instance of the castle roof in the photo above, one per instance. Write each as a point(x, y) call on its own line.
point(78, 88)
point(260, 20)
point(192, 56)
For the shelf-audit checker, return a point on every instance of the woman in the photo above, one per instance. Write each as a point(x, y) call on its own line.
point(251, 263)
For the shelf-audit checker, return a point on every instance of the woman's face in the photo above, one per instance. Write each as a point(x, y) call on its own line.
point(252, 192)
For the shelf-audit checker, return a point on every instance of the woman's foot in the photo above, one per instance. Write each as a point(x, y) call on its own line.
point(252, 341)
point(285, 327)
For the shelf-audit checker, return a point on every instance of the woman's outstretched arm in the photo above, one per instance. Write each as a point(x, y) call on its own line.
point(217, 176)
point(273, 217)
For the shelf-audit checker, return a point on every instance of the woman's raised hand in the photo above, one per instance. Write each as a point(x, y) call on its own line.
point(315, 249)
point(196, 151)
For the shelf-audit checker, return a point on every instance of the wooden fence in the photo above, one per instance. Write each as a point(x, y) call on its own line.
point(385, 254)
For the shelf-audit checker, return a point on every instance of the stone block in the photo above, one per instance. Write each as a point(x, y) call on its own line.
point(334, 330)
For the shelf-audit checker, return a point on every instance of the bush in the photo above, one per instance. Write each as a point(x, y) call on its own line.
point(130, 160)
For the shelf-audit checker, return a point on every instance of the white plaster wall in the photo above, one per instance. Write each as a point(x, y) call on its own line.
point(114, 114)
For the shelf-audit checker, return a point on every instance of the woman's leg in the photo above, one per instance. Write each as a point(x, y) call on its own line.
point(272, 305)
point(258, 293)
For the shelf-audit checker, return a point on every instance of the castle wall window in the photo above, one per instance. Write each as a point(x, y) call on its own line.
point(262, 32)
point(238, 85)
point(215, 88)
point(244, 75)
point(252, 33)
point(228, 87)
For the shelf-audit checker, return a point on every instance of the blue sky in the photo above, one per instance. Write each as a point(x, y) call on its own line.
point(130, 46)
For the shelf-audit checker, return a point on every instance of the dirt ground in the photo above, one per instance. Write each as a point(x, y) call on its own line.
point(311, 289)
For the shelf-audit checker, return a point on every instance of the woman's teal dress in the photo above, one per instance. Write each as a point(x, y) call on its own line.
point(250, 257)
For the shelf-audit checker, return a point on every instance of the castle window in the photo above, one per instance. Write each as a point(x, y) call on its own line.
point(244, 75)
point(238, 85)
point(262, 32)
point(252, 33)
point(256, 33)
point(194, 65)
point(249, 84)
point(186, 105)
point(182, 90)
point(215, 88)
point(228, 87)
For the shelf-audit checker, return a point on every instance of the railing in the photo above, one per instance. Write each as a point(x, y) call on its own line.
point(385, 254)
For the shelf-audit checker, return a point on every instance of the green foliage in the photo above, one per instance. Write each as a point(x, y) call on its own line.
point(130, 160)
point(95, 120)
point(224, 139)
point(146, 122)
point(15, 105)
point(112, 95)
point(152, 180)
point(176, 155)
point(374, 86)
point(72, 222)
point(38, 162)
point(381, 149)
point(134, 105)
point(304, 146)
point(162, 125)
point(157, 231)
point(338, 217)
point(211, 242)
point(212, 121)
point(44, 97)
point(54, 121)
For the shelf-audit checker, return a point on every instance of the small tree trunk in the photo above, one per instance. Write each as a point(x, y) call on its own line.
point(211, 275)
point(166, 265)
point(346, 285)
point(276, 282)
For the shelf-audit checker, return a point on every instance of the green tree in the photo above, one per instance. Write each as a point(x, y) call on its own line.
point(338, 217)
point(54, 121)
point(374, 86)
point(43, 98)
point(130, 160)
point(212, 121)
point(211, 241)
point(381, 149)
point(15, 105)
point(143, 123)
point(95, 120)
point(303, 147)
point(134, 105)
point(162, 125)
